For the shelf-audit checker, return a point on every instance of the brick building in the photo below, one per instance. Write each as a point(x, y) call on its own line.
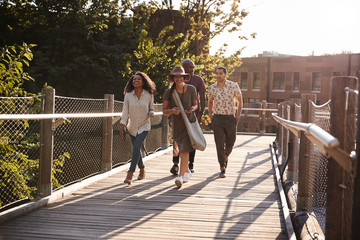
point(275, 78)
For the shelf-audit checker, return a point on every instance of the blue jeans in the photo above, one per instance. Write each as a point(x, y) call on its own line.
point(136, 158)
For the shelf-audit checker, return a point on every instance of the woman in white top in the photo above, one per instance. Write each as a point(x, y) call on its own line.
point(137, 110)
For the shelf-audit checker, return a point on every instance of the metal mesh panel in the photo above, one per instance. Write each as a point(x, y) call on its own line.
point(81, 138)
point(318, 185)
point(153, 140)
point(19, 150)
point(250, 119)
point(121, 149)
point(320, 115)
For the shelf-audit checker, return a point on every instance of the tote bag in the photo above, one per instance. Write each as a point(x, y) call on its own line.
point(194, 131)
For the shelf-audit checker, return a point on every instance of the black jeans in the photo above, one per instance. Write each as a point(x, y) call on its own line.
point(224, 127)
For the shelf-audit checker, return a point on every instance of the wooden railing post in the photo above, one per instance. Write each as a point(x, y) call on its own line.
point(280, 129)
point(355, 231)
point(292, 138)
point(106, 163)
point(46, 143)
point(304, 155)
point(165, 132)
point(263, 116)
point(285, 134)
point(337, 188)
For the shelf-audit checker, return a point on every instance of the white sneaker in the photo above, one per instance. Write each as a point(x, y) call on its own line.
point(187, 176)
point(179, 182)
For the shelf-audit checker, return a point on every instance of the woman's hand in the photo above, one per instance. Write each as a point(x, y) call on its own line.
point(191, 109)
point(151, 115)
point(176, 110)
point(122, 126)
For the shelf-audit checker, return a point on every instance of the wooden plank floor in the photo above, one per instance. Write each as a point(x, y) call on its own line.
point(245, 205)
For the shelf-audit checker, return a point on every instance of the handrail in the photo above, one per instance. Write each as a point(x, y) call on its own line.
point(60, 115)
point(260, 109)
point(315, 131)
point(327, 144)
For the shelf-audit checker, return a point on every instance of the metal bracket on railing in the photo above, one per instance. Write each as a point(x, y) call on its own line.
point(354, 164)
point(342, 158)
point(58, 122)
point(115, 119)
point(347, 91)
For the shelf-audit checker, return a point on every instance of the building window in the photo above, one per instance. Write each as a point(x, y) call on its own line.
point(256, 81)
point(296, 81)
point(278, 81)
point(316, 81)
point(244, 80)
point(253, 100)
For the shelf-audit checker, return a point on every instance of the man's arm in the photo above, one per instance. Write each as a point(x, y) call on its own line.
point(239, 107)
point(210, 107)
point(202, 102)
point(201, 107)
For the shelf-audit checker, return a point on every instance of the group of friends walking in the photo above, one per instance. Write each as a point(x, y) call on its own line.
point(138, 109)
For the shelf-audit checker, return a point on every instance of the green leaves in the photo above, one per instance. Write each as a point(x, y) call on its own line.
point(12, 74)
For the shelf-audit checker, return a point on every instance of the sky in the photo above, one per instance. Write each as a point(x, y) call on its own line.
point(296, 27)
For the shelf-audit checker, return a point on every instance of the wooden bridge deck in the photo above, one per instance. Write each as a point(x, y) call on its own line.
point(245, 205)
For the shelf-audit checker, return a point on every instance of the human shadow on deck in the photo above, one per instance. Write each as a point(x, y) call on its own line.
point(116, 209)
point(248, 141)
point(242, 222)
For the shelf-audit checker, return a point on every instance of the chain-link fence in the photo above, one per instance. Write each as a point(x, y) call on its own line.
point(80, 138)
point(77, 149)
point(319, 115)
point(19, 150)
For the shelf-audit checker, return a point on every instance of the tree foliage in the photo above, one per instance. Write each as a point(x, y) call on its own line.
point(90, 48)
point(18, 170)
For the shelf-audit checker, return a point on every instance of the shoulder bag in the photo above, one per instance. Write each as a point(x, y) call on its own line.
point(194, 131)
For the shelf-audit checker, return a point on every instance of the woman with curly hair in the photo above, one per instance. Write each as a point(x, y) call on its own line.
point(137, 110)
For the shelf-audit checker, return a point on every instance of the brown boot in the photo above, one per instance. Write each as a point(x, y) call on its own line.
point(141, 174)
point(129, 177)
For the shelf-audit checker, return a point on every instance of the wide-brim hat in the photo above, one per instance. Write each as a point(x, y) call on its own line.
point(179, 71)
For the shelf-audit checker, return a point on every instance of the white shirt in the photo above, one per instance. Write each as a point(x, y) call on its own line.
point(136, 111)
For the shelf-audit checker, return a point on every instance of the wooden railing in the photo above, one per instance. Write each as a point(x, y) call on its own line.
point(320, 162)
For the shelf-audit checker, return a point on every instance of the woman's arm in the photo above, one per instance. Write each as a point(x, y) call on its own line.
point(151, 107)
point(193, 107)
point(167, 111)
